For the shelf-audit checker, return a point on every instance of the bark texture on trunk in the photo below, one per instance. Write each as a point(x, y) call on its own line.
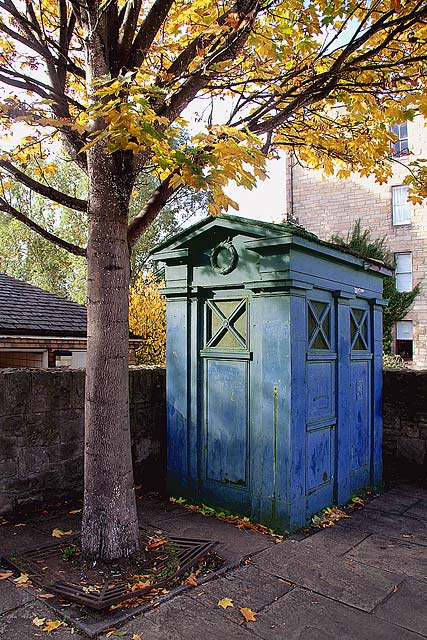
point(110, 525)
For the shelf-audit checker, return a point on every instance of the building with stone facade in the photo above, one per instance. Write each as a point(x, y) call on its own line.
point(330, 206)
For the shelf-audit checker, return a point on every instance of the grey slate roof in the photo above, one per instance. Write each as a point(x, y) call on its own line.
point(28, 310)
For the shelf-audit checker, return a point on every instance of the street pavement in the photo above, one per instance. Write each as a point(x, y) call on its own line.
point(363, 579)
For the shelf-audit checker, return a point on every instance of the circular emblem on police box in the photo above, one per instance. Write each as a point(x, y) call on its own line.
point(224, 257)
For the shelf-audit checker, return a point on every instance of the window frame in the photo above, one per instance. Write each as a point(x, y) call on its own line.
point(401, 146)
point(402, 272)
point(397, 206)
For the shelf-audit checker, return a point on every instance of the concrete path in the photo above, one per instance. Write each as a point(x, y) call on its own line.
point(363, 579)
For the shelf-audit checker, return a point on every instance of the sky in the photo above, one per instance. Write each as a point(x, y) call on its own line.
point(266, 201)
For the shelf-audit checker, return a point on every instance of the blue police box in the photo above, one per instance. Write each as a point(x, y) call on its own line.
point(274, 369)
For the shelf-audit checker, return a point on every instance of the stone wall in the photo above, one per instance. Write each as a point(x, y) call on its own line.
point(405, 424)
point(41, 433)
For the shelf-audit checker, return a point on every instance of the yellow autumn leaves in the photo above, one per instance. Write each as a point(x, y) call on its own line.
point(147, 319)
point(248, 614)
point(47, 625)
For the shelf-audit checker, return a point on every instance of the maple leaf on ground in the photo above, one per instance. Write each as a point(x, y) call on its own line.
point(74, 511)
point(58, 533)
point(136, 636)
point(51, 625)
point(39, 622)
point(5, 576)
point(248, 614)
point(154, 543)
point(191, 580)
point(22, 580)
point(225, 603)
point(140, 585)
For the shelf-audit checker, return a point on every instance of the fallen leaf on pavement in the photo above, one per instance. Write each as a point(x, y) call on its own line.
point(21, 524)
point(5, 576)
point(51, 625)
point(23, 579)
point(45, 596)
point(39, 622)
point(225, 603)
point(154, 543)
point(140, 585)
point(74, 511)
point(58, 533)
point(191, 580)
point(136, 636)
point(248, 614)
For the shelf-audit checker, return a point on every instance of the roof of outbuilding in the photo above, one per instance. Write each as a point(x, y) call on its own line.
point(28, 310)
point(260, 227)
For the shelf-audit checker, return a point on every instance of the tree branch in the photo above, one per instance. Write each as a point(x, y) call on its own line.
point(146, 34)
point(18, 215)
point(143, 219)
point(44, 190)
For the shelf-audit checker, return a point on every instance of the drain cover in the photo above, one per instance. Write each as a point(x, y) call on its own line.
point(38, 565)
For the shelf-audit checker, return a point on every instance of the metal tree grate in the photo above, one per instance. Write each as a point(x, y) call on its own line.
point(33, 563)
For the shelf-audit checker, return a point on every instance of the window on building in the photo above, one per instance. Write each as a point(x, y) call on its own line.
point(401, 146)
point(400, 205)
point(405, 339)
point(403, 271)
point(63, 358)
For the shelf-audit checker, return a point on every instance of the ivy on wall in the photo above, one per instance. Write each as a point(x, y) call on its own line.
point(398, 301)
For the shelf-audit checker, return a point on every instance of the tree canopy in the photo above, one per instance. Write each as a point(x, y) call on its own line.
point(283, 67)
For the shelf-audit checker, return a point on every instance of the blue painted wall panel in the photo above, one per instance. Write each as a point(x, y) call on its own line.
point(360, 414)
point(177, 396)
point(320, 391)
point(227, 422)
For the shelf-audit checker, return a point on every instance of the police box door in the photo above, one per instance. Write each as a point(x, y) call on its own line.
point(224, 444)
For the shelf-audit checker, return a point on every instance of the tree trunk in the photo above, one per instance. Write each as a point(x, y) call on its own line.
point(110, 525)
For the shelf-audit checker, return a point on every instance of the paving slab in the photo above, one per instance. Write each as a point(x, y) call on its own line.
point(234, 544)
point(64, 521)
point(407, 607)
point(152, 510)
point(12, 597)
point(340, 578)
point(400, 556)
point(408, 489)
point(17, 624)
point(399, 527)
point(185, 619)
point(393, 502)
point(247, 587)
point(303, 615)
point(17, 538)
point(419, 510)
point(333, 541)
